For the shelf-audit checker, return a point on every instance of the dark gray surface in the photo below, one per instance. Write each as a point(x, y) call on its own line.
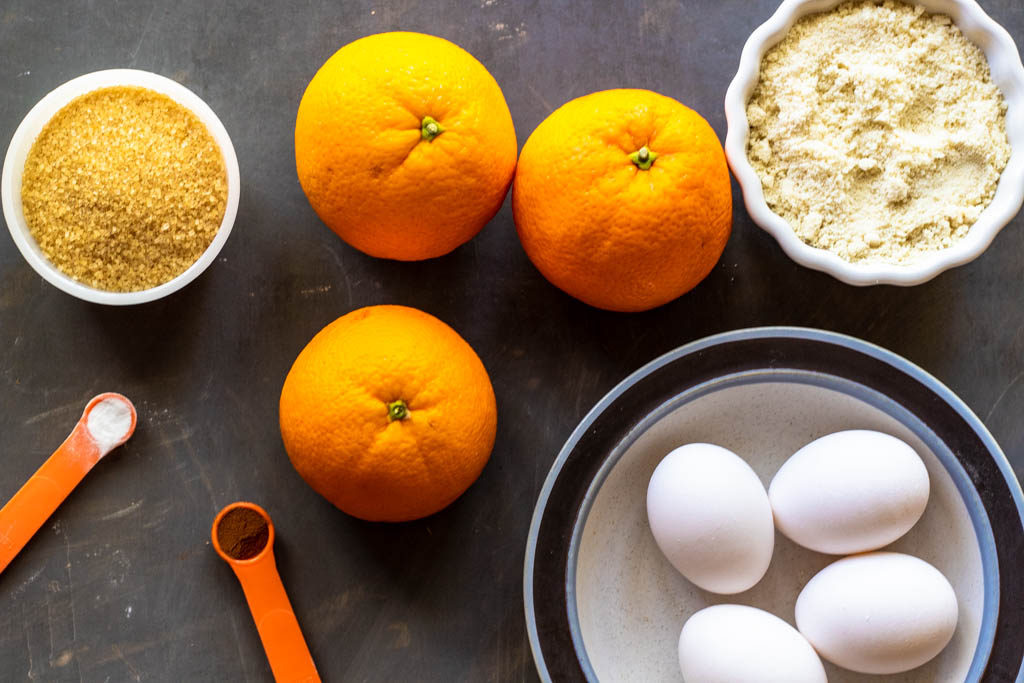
point(123, 585)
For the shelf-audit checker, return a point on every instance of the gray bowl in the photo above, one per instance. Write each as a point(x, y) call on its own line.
point(602, 603)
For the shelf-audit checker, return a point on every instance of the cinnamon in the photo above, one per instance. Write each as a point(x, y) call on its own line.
point(242, 533)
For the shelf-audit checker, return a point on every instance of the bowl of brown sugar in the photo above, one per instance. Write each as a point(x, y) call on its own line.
point(120, 187)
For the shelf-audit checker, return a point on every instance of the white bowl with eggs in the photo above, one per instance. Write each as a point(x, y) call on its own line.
point(1007, 74)
point(604, 603)
point(32, 125)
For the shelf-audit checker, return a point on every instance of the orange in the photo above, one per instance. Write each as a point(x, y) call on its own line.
point(388, 413)
point(622, 199)
point(404, 145)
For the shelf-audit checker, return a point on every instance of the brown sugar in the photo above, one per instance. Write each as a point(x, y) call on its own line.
point(242, 533)
point(124, 189)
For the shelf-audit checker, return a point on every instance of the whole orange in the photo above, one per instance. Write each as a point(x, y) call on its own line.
point(388, 413)
point(622, 199)
point(404, 145)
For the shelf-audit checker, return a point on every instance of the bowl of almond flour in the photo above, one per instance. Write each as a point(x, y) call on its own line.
point(879, 141)
point(120, 187)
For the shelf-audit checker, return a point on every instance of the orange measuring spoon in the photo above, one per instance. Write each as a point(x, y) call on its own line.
point(257, 572)
point(107, 422)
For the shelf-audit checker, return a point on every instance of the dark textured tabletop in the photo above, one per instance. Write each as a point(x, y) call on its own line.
point(122, 584)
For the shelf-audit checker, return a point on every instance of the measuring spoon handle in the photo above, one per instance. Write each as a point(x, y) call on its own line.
point(32, 505)
point(279, 630)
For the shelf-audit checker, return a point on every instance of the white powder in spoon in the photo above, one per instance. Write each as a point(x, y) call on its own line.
point(109, 422)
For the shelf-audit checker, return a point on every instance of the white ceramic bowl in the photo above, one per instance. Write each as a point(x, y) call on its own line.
point(1007, 74)
point(32, 125)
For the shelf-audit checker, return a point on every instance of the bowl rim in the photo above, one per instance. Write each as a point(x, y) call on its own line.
point(1007, 72)
point(874, 352)
point(42, 113)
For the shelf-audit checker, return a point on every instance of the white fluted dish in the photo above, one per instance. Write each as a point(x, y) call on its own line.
point(1007, 73)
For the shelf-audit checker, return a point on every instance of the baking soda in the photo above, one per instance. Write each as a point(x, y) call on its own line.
point(109, 422)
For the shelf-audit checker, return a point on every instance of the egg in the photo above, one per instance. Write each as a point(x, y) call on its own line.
point(710, 516)
point(879, 613)
point(849, 492)
point(740, 644)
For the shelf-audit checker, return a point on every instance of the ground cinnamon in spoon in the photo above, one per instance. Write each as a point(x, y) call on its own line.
point(242, 533)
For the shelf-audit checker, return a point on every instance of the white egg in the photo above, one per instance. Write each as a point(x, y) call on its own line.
point(740, 644)
point(849, 492)
point(710, 516)
point(879, 613)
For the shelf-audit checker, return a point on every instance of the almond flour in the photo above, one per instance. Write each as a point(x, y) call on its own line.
point(877, 131)
point(124, 189)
